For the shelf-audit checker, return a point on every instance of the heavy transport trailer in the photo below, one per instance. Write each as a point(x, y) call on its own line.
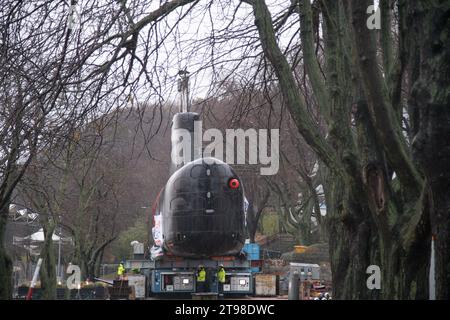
point(172, 275)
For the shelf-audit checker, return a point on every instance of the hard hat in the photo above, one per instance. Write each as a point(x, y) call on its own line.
point(221, 265)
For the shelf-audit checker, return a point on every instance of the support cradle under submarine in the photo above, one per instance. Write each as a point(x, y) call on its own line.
point(199, 218)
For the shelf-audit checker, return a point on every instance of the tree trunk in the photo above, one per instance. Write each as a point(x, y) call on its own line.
point(98, 264)
point(47, 273)
point(252, 224)
point(5, 260)
point(431, 99)
point(91, 270)
point(353, 244)
point(441, 227)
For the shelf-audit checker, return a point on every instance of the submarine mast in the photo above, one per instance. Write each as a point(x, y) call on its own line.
point(183, 87)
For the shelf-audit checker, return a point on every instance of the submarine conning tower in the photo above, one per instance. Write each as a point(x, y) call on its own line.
point(183, 137)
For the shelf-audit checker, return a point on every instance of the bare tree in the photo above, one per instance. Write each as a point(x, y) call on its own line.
point(60, 63)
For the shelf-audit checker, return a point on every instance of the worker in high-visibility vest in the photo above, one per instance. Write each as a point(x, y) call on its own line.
point(221, 274)
point(120, 270)
point(201, 278)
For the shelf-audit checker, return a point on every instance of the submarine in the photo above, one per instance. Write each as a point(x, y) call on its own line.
point(200, 211)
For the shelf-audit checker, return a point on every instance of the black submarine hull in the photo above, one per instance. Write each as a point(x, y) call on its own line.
point(203, 212)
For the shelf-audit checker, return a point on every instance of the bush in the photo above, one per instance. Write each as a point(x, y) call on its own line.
point(269, 223)
point(121, 248)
